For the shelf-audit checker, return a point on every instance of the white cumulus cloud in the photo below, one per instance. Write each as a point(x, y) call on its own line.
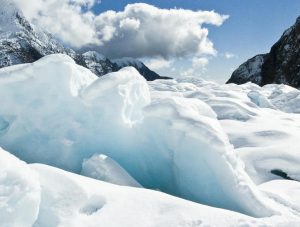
point(140, 30)
point(200, 63)
point(197, 67)
point(158, 63)
point(143, 30)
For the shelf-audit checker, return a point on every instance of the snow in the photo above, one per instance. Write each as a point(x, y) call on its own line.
point(97, 63)
point(201, 141)
point(68, 199)
point(284, 191)
point(94, 55)
point(19, 192)
point(76, 115)
point(261, 122)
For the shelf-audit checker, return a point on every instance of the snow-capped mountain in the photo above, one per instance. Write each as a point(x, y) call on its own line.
point(22, 42)
point(280, 65)
point(97, 63)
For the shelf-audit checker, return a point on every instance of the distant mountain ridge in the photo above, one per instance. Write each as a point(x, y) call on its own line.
point(142, 68)
point(22, 42)
point(280, 65)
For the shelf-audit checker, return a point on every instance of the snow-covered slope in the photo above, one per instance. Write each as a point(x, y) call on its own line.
point(280, 65)
point(262, 123)
point(42, 196)
point(19, 192)
point(197, 140)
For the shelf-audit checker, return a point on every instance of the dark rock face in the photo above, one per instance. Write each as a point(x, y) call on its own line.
point(149, 74)
point(249, 71)
point(140, 66)
point(281, 65)
point(21, 42)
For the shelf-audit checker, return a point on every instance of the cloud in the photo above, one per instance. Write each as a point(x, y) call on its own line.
point(187, 73)
point(198, 67)
point(69, 20)
point(229, 55)
point(140, 30)
point(200, 63)
point(152, 32)
point(158, 63)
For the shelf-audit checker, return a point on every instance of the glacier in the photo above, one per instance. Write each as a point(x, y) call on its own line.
point(104, 168)
point(19, 192)
point(209, 143)
point(53, 197)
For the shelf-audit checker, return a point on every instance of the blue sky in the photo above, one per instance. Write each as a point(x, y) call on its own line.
point(172, 42)
point(252, 28)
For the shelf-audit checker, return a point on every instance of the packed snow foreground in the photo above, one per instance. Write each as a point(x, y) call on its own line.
point(224, 146)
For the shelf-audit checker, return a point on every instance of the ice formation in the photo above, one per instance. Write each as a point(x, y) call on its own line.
point(103, 168)
point(40, 195)
point(53, 197)
point(184, 137)
point(19, 192)
point(54, 108)
point(262, 123)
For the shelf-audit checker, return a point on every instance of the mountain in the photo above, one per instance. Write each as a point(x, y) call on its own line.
point(97, 63)
point(22, 42)
point(280, 66)
point(140, 66)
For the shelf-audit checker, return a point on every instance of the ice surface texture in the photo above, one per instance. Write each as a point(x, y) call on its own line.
point(42, 196)
point(52, 197)
point(58, 113)
point(19, 192)
point(103, 168)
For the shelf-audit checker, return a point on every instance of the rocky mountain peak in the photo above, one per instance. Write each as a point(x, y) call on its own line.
point(22, 42)
point(280, 66)
point(298, 20)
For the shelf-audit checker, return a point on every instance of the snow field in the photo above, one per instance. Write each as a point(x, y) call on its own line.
point(183, 137)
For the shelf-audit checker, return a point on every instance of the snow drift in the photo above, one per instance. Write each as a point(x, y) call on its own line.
point(53, 197)
point(19, 192)
point(58, 113)
point(262, 123)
